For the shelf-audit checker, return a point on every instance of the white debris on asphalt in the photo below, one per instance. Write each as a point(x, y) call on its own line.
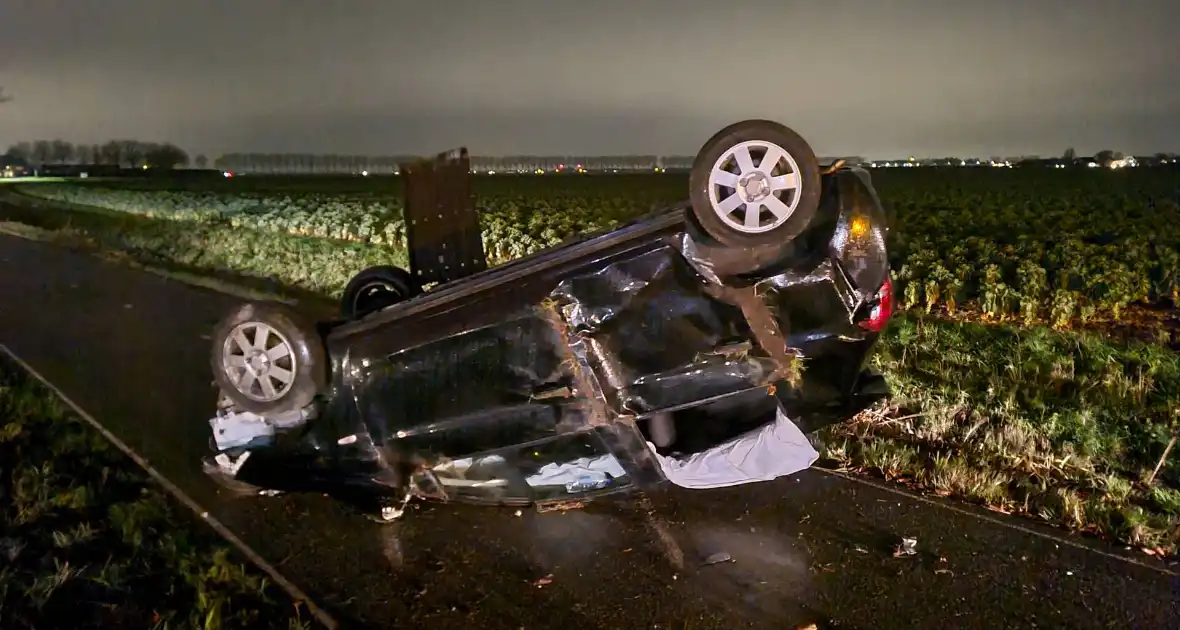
point(229, 465)
point(394, 512)
point(908, 547)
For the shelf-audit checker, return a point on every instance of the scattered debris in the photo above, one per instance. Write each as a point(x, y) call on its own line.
point(394, 512)
point(518, 513)
point(562, 506)
point(718, 558)
point(908, 547)
point(1164, 457)
point(561, 392)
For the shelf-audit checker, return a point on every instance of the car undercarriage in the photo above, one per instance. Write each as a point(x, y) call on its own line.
point(691, 345)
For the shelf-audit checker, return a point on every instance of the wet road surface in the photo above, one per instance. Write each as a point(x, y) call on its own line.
point(131, 349)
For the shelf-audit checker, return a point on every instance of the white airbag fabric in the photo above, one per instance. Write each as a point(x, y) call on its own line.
point(772, 451)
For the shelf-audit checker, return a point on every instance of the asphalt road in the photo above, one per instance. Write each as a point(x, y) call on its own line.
point(130, 348)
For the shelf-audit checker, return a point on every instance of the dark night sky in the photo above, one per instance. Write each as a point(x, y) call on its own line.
point(878, 78)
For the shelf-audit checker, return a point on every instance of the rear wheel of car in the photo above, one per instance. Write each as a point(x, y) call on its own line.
point(755, 183)
point(268, 359)
point(376, 288)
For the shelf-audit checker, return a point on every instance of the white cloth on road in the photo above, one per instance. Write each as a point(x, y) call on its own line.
point(772, 451)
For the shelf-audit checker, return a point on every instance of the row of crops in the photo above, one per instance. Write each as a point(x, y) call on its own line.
point(516, 222)
point(1036, 245)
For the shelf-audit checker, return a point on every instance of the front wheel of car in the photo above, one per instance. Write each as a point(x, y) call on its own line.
point(376, 288)
point(755, 183)
point(268, 359)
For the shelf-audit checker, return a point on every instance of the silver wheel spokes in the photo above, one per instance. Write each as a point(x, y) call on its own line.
point(754, 199)
point(259, 361)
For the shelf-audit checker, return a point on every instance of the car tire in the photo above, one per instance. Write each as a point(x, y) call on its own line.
point(376, 288)
point(283, 376)
point(725, 185)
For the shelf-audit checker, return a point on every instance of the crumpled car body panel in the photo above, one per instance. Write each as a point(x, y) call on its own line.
point(477, 390)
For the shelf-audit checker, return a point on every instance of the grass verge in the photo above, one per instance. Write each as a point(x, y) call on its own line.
point(302, 267)
point(86, 540)
point(80, 241)
point(1067, 427)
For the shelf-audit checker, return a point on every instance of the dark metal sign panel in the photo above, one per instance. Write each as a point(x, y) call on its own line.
point(442, 224)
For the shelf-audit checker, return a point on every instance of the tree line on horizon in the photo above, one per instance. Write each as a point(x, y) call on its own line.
point(122, 153)
point(313, 163)
point(136, 154)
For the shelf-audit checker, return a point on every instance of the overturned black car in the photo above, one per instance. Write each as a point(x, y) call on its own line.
point(684, 346)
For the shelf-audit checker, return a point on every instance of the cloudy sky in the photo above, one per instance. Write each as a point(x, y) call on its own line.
point(876, 78)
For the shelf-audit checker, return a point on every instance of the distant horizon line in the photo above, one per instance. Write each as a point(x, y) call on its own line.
point(572, 161)
point(573, 158)
point(673, 155)
point(566, 156)
point(584, 157)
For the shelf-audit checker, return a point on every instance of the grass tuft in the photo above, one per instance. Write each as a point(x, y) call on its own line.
point(86, 540)
point(1063, 426)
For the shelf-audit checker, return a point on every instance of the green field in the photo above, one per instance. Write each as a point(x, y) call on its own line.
point(87, 540)
point(1060, 247)
point(1033, 361)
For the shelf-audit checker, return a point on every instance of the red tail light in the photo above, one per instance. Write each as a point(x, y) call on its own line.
point(883, 310)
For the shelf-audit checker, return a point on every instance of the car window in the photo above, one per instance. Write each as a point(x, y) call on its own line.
point(566, 467)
